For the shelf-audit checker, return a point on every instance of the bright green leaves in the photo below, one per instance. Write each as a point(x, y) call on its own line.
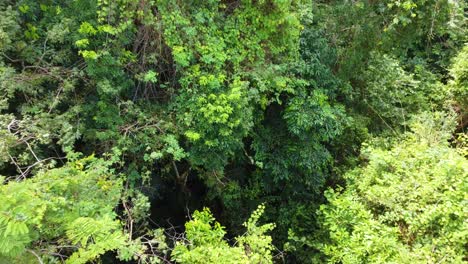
point(279, 30)
point(88, 54)
point(82, 43)
point(259, 244)
point(459, 69)
point(172, 147)
point(67, 203)
point(181, 56)
point(359, 238)
point(218, 122)
point(206, 242)
point(459, 84)
point(211, 116)
point(14, 235)
point(215, 108)
point(85, 229)
point(87, 29)
point(240, 95)
point(393, 94)
point(192, 136)
point(220, 109)
point(203, 230)
point(215, 50)
point(31, 32)
point(314, 113)
point(95, 237)
point(406, 12)
point(151, 77)
point(211, 81)
point(23, 8)
point(104, 36)
point(406, 205)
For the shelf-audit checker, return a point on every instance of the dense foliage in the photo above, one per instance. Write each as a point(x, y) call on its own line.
point(406, 205)
point(72, 204)
point(339, 124)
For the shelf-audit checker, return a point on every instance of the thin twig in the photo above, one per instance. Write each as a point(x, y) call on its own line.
point(36, 255)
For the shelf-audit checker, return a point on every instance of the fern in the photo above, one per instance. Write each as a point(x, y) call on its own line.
point(11, 246)
point(83, 229)
point(104, 242)
point(73, 204)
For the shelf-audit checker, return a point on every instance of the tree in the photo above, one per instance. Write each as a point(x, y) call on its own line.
point(205, 241)
point(224, 104)
point(60, 212)
point(458, 86)
point(405, 205)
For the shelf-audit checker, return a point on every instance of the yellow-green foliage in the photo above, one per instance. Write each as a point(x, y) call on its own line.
point(205, 242)
point(407, 205)
point(73, 204)
point(459, 73)
point(215, 46)
point(230, 104)
point(392, 94)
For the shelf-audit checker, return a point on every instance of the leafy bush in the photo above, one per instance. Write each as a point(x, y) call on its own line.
point(205, 241)
point(229, 104)
point(392, 94)
point(72, 205)
point(406, 205)
point(458, 86)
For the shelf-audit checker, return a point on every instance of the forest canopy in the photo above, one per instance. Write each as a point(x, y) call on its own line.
point(233, 131)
